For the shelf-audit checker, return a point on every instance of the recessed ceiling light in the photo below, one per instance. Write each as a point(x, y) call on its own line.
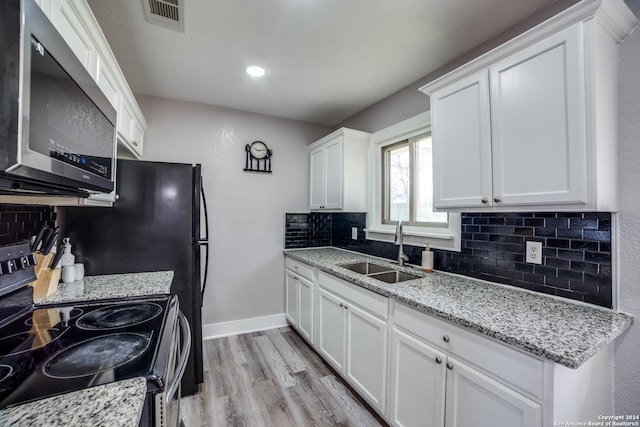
point(255, 71)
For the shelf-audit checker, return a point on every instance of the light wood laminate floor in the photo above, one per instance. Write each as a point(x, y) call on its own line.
point(272, 378)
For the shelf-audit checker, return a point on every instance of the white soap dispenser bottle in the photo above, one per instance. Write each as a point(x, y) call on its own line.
point(427, 260)
point(67, 259)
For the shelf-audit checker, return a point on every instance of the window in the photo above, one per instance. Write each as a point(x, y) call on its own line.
point(400, 187)
point(407, 184)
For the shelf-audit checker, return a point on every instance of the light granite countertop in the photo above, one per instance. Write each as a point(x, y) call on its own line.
point(565, 332)
point(93, 288)
point(114, 404)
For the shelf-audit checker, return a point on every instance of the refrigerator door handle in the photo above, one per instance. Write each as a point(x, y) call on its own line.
point(206, 270)
point(204, 241)
point(206, 216)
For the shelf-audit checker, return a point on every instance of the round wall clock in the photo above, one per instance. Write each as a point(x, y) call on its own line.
point(258, 157)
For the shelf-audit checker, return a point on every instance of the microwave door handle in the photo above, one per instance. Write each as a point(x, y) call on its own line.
point(184, 357)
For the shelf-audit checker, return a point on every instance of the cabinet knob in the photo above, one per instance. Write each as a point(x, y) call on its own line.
point(341, 305)
point(496, 199)
point(485, 200)
point(346, 307)
point(449, 365)
point(445, 338)
point(295, 267)
point(438, 360)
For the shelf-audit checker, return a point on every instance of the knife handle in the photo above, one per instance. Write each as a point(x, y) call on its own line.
point(38, 239)
point(46, 248)
point(57, 257)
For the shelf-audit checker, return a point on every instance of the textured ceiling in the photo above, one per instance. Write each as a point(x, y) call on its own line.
point(326, 60)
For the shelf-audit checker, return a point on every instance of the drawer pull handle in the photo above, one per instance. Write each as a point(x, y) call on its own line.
point(449, 365)
point(496, 199)
point(438, 360)
point(445, 338)
point(485, 200)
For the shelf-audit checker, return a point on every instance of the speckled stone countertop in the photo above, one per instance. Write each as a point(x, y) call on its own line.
point(115, 404)
point(559, 330)
point(93, 288)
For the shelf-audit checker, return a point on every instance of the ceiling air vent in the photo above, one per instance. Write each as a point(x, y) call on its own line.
point(166, 13)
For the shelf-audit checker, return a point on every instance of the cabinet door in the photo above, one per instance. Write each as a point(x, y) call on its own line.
point(367, 355)
point(461, 134)
point(538, 129)
point(417, 383)
point(137, 138)
point(316, 178)
point(107, 83)
point(291, 297)
point(333, 174)
point(305, 303)
point(66, 18)
point(330, 340)
point(476, 400)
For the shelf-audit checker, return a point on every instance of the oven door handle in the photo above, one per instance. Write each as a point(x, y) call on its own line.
point(184, 357)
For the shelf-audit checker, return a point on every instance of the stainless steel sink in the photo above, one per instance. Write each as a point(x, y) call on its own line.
point(366, 268)
point(394, 276)
point(379, 272)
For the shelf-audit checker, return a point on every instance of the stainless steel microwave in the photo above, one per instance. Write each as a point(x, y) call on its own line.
point(57, 128)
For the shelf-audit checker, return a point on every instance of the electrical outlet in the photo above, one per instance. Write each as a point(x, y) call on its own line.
point(354, 233)
point(534, 252)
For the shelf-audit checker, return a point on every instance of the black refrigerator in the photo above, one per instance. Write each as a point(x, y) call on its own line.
point(154, 225)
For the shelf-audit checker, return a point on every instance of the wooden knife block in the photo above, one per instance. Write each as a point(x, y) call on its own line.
point(47, 279)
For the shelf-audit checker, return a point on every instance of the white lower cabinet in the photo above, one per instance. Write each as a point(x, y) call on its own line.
point(431, 385)
point(417, 382)
point(434, 372)
point(352, 336)
point(475, 399)
point(299, 298)
point(332, 328)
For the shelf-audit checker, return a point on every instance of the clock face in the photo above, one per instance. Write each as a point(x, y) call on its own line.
point(259, 150)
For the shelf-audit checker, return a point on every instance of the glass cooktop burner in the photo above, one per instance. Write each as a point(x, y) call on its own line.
point(27, 341)
point(43, 315)
point(119, 316)
point(5, 372)
point(96, 355)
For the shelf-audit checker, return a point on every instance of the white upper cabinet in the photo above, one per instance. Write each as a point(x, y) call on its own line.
point(538, 123)
point(337, 165)
point(531, 124)
point(460, 124)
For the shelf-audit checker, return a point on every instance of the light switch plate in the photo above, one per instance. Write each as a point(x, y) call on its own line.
point(354, 233)
point(534, 252)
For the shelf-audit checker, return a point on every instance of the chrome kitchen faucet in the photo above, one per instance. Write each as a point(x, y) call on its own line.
point(402, 257)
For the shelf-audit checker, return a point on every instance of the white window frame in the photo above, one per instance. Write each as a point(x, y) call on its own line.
point(448, 238)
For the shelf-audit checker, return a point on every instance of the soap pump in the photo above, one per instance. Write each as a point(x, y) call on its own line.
point(427, 260)
point(68, 259)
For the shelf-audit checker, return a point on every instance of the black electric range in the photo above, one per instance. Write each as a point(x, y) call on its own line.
point(51, 350)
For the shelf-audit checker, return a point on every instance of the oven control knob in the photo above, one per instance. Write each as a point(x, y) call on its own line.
point(8, 266)
point(23, 262)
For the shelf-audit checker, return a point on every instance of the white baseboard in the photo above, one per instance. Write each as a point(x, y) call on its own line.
point(243, 326)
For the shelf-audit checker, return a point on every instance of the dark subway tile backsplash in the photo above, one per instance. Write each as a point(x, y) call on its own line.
point(19, 222)
point(576, 249)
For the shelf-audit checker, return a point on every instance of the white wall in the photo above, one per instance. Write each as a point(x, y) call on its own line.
point(246, 209)
point(627, 348)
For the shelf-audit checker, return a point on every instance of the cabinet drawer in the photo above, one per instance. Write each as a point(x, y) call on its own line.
point(509, 365)
point(368, 300)
point(302, 269)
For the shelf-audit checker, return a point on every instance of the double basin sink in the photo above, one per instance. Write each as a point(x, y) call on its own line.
point(379, 272)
